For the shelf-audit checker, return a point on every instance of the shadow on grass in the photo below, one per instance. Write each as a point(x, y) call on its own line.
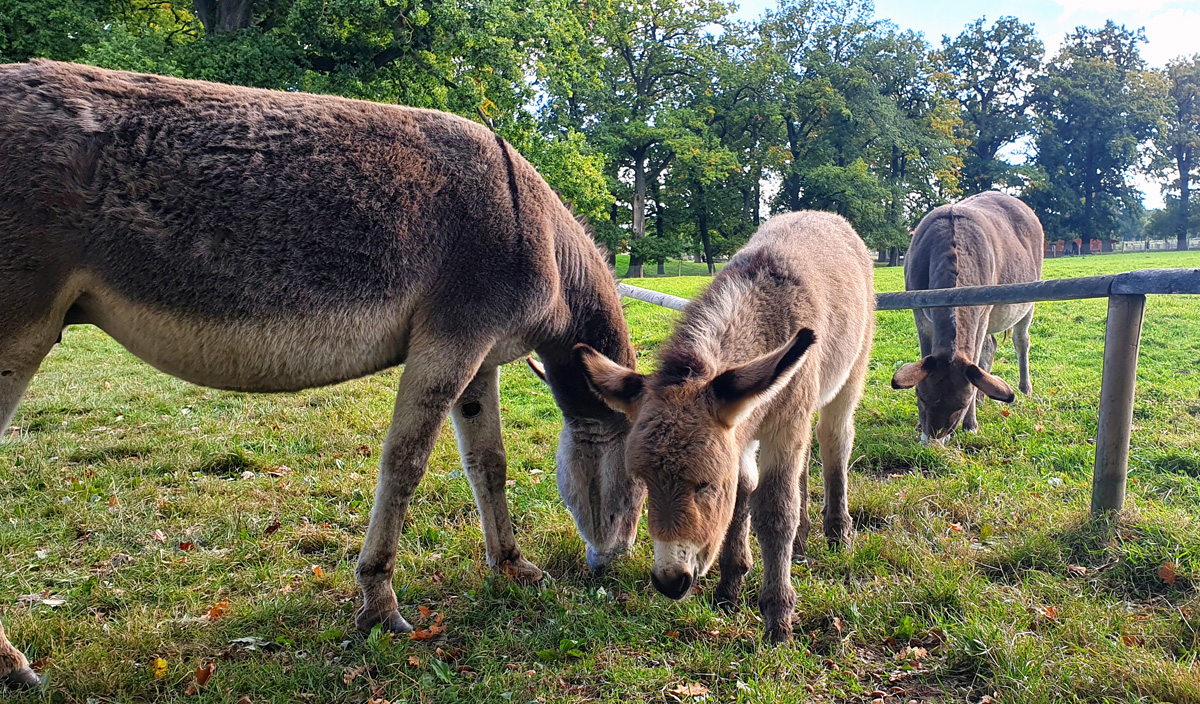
point(1124, 558)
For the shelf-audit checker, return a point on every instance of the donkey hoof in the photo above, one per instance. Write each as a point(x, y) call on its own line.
point(780, 633)
point(25, 678)
point(521, 571)
point(391, 622)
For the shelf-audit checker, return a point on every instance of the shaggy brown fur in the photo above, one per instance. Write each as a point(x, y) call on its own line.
point(989, 238)
point(784, 330)
point(270, 241)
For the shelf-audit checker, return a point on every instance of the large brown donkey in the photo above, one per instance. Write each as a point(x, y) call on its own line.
point(989, 238)
point(269, 241)
point(784, 330)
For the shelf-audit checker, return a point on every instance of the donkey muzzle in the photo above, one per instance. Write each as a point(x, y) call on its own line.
point(674, 584)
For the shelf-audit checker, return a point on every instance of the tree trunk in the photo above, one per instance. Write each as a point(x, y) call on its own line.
point(1085, 247)
point(612, 253)
point(639, 209)
point(1184, 205)
point(223, 16)
point(894, 257)
point(883, 255)
point(704, 232)
point(791, 182)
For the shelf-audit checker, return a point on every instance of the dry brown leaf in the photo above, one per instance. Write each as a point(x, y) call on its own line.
point(956, 527)
point(216, 611)
point(1077, 570)
point(1005, 413)
point(1166, 572)
point(415, 661)
point(438, 576)
point(273, 527)
point(1050, 613)
point(40, 664)
point(318, 573)
point(203, 674)
point(187, 546)
point(426, 633)
point(280, 471)
point(673, 634)
point(158, 536)
point(350, 674)
point(426, 613)
point(1132, 640)
point(694, 689)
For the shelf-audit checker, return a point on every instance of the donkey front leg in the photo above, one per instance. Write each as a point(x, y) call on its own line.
point(775, 508)
point(835, 434)
point(987, 356)
point(480, 442)
point(735, 560)
point(14, 668)
point(431, 382)
point(1021, 342)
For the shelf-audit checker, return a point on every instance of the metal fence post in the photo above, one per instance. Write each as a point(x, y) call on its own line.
point(1122, 337)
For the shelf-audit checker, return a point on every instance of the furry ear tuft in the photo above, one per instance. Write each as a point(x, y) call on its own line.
point(620, 388)
point(992, 386)
point(738, 391)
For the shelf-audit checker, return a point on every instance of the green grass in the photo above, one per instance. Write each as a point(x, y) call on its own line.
point(967, 552)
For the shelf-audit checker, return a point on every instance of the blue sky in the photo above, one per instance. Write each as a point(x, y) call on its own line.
point(1172, 28)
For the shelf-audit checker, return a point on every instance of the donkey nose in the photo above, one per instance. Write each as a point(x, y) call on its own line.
point(674, 586)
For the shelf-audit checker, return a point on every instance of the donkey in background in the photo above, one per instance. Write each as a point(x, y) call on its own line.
point(267, 241)
point(989, 238)
point(784, 330)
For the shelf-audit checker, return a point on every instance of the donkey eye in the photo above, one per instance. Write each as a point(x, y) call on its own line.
point(701, 486)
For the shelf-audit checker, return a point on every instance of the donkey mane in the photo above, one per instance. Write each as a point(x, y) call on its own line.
point(695, 350)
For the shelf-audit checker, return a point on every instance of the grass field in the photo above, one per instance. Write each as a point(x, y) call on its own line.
point(148, 527)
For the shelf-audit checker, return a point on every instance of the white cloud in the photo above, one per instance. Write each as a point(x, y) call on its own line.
point(1171, 33)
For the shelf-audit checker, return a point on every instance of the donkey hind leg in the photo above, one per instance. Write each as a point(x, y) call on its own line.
point(14, 668)
point(987, 354)
point(775, 509)
point(1021, 342)
point(835, 434)
point(476, 417)
point(735, 560)
point(433, 378)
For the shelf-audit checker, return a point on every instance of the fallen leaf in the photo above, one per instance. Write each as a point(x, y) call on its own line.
point(247, 474)
point(427, 633)
point(1132, 640)
point(1039, 427)
point(1050, 613)
point(438, 576)
point(1166, 572)
point(1006, 413)
point(158, 536)
point(425, 612)
point(673, 635)
point(160, 668)
point(956, 527)
point(112, 502)
point(350, 674)
point(203, 674)
point(216, 611)
point(187, 546)
point(318, 573)
point(694, 689)
point(415, 661)
point(40, 664)
point(280, 471)
point(1077, 570)
point(273, 527)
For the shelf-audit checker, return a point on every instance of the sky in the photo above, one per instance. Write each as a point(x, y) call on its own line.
point(1172, 26)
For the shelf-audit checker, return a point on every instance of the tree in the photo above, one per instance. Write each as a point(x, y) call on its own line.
point(645, 51)
point(990, 70)
point(1096, 105)
point(1178, 143)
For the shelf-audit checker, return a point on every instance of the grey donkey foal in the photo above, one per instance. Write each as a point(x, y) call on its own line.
point(989, 238)
point(268, 241)
point(783, 331)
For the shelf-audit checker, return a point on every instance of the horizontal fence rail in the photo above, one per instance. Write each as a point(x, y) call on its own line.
point(1126, 295)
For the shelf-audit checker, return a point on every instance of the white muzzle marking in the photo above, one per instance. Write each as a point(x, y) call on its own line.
point(676, 554)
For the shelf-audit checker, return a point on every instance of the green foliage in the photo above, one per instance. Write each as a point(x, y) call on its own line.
point(1096, 105)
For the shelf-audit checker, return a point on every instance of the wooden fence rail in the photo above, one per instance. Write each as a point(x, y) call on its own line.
point(1126, 295)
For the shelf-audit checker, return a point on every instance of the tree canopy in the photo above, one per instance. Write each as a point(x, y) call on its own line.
point(677, 129)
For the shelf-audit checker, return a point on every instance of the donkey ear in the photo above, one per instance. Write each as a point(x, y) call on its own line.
point(738, 391)
point(993, 386)
point(912, 374)
point(536, 367)
point(617, 386)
